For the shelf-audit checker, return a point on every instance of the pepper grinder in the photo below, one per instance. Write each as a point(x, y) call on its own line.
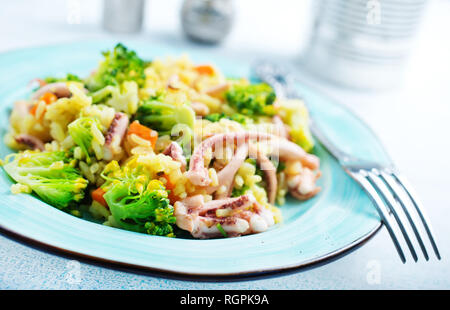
point(207, 21)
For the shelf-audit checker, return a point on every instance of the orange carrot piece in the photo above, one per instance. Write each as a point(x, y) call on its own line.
point(97, 195)
point(205, 69)
point(33, 109)
point(49, 98)
point(143, 132)
point(169, 186)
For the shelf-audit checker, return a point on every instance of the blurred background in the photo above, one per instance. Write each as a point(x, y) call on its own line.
point(366, 43)
point(386, 60)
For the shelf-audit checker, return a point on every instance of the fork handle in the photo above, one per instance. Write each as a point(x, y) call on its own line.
point(341, 156)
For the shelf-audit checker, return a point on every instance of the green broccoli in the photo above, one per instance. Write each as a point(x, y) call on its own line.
point(140, 205)
point(85, 131)
point(69, 78)
point(162, 117)
point(215, 117)
point(118, 66)
point(253, 99)
point(237, 192)
point(242, 119)
point(51, 175)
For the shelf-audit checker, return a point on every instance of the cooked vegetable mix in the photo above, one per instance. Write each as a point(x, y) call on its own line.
point(161, 146)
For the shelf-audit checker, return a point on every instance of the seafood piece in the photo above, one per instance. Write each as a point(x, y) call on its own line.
point(302, 185)
point(218, 90)
point(284, 149)
point(269, 170)
point(175, 151)
point(287, 150)
point(243, 216)
point(173, 82)
point(30, 141)
point(114, 136)
point(59, 89)
point(198, 173)
point(226, 175)
point(200, 108)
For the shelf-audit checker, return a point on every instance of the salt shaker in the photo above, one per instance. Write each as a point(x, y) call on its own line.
point(207, 21)
point(124, 16)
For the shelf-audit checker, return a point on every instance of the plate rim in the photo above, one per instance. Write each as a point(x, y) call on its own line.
point(248, 273)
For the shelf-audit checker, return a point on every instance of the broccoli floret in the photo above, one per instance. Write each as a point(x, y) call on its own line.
point(237, 192)
point(139, 204)
point(118, 66)
point(84, 131)
point(253, 99)
point(69, 78)
point(214, 117)
point(123, 97)
point(242, 119)
point(51, 175)
point(162, 117)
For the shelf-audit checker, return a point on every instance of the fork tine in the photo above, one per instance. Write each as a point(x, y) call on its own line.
point(402, 199)
point(381, 187)
point(385, 217)
point(407, 188)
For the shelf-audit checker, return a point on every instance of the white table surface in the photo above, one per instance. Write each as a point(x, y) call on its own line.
point(412, 121)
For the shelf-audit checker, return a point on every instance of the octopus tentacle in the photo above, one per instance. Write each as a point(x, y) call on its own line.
point(175, 151)
point(284, 149)
point(270, 173)
point(114, 135)
point(200, 219)
point(32, 142)
point(226, 175)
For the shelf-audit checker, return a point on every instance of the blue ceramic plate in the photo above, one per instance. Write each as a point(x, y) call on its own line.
point(340, 217)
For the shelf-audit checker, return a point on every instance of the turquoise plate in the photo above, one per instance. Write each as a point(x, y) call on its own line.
point(340, 217)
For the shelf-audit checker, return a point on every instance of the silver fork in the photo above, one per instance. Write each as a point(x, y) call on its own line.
point(388, 190)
